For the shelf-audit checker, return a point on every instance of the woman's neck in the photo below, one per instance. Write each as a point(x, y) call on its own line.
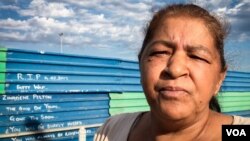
point(198, 129)
point(190, 128)
point(165, 125)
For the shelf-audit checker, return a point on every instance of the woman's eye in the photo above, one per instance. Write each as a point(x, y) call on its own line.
point(157, 53)
point(199, 58)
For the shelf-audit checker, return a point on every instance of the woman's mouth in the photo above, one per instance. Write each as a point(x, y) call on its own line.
point(172, 92)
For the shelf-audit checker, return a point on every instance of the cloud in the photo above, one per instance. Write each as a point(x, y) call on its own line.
point(96, 23)
point(85, 3)
point(34, 29)
point(41, 29)
point(47, 9)
point(105, 21)
point(16, 36)
point(12, 24)
point(133, 11)
point(212, 4)
point(9, 7)
point(239, 19)
point(116, 9)
point(236, 12)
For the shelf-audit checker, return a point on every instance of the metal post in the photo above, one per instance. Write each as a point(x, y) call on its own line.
point(82, 134)
point(61, 49)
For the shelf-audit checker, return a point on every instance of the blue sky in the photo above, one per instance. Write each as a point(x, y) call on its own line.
point(108, 28)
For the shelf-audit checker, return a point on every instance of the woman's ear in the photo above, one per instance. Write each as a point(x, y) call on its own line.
point(222, 76)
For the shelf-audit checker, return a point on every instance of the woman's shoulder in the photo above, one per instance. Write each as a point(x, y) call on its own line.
point(129, 117)
point(239, 120)
point(121, 120)
point(116, 127)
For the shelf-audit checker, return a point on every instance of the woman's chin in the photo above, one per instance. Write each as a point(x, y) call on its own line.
point(175, 112)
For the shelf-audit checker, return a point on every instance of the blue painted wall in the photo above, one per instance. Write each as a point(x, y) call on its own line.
point(48, 90)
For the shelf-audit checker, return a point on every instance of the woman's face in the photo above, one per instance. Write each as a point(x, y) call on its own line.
point(180, 69)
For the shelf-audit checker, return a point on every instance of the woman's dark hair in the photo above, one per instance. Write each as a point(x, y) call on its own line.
point(218, 30)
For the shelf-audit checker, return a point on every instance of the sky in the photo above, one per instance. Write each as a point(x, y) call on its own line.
point(108, 28)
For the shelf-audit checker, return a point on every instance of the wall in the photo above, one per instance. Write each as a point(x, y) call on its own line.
point(42, 91)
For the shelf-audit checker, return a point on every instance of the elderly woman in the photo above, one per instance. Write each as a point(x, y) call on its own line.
point(182, 67)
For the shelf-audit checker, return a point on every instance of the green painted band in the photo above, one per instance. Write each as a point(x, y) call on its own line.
point(223, 94)
point(3, 54)
point(128, 103)
point(2, 67)
point(235, 109)
point(2, 77)
point(3, 48)
point(126, 95)
point(114, 111)
point(233, 99)
point(2, 88)
point(235, 104)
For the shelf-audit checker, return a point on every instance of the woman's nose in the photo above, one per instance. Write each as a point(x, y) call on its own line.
point(176, 66)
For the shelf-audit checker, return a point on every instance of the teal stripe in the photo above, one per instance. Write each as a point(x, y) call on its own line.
point(2, 89)
point(115, 111)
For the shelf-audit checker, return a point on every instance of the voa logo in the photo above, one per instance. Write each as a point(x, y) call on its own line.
point(236, 132)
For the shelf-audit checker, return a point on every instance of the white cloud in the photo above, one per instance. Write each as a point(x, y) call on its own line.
point(229, 10)
point(45, 29)
point(87, 17)
point(9, 7)
point(212, 4)
point(96, 23)
point(243, 37)
point(33, 29)
point(76, 39)
point(47, 9)
point(135, 11)
point(13, 24)
point(42, 23)
point(16, 36)
point(117, 8)
point(85, 3)
point(236, 13)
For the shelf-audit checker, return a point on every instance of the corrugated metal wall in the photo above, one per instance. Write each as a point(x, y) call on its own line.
point(127, 102)
point(235, 95)
point(42, 91)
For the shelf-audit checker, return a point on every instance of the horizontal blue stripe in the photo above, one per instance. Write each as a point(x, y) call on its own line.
point(90, 78)
point(236, 84)
point(87, 64)
point(237, 79)
point(69, 88)
point(238, 74)
point(53, 78)
point(52, 117)
point(38, 126)
point(43, 56)
point(83, 88)
point(20, 109)
point(70, 73)
point(240, 113)
point(30, 67)
point(57, 136)
point(48, 98)
point(90, 82)
point(235, 89)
